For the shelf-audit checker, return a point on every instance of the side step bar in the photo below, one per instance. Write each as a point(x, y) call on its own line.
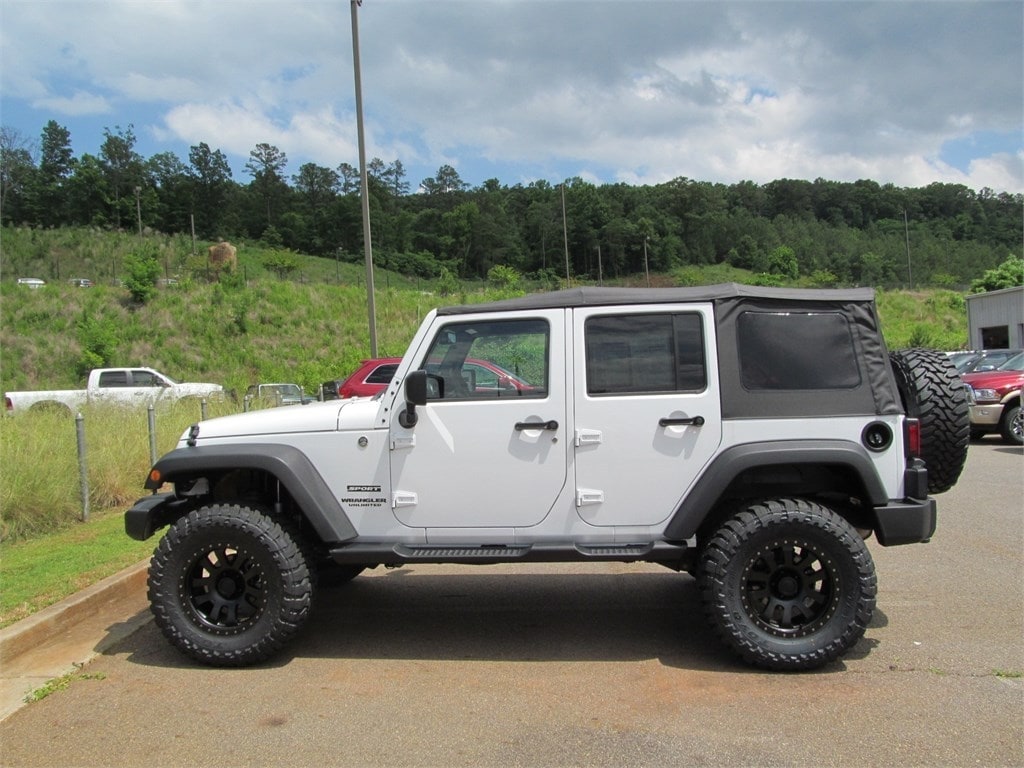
point(674, 555)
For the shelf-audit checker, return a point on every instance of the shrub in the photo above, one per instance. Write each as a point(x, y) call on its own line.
point(142, 271)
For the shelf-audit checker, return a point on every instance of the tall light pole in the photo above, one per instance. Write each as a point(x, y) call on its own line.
point(364, 186)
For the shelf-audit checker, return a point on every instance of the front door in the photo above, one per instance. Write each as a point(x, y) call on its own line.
point(488, 449)
point(648, 416)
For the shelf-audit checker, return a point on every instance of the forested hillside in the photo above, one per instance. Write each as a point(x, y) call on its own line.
point(307, 323)
point(818, 233)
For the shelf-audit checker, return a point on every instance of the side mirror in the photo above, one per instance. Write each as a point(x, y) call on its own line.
point(415, 394)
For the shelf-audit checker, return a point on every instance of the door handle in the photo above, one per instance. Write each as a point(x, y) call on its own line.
point(696, 421)
point(548, 425)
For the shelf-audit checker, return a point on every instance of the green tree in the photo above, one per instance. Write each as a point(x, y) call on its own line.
point(1009, 274)
point(17, 172)
point(782, 261)
point(142, 270)
point(210, 177)
point(122, 167)
point(266, 165)
point(281, 264)
point(56, 162)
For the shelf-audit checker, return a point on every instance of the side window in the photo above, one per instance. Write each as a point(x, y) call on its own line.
point(489, 360)
point(144, 379)
point(382, 374)
point(114, 379)
point(796, 350)
point(648, 353)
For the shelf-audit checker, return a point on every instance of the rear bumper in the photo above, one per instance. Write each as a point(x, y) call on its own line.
point(911, 521)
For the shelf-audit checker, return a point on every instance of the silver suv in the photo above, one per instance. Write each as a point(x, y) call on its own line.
point(752, 437)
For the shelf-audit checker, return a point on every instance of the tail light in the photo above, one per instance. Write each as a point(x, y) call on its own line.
point(912, 438)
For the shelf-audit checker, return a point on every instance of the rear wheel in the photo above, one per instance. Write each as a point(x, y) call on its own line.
point(933, 393)
point(787, 584)
point(229, 586)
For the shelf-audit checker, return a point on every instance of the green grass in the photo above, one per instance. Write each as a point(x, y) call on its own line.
point(61, 683)
point(44, 570)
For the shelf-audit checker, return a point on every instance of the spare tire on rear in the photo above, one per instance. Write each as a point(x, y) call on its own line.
point(933, 393)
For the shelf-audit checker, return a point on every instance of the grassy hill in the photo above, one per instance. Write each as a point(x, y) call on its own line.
point(307, 326)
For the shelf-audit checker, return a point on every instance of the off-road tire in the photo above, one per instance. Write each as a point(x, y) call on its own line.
point(787, 584)
point(933, 393)
point(229, 585)
point(1011, 426)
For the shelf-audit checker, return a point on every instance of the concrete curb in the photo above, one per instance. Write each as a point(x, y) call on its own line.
point(63, 637)
point(33, 631)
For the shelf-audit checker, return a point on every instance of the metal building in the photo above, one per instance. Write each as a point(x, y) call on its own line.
point(995, 320)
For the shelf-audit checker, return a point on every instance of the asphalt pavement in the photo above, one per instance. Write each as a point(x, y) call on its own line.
point(553, 665)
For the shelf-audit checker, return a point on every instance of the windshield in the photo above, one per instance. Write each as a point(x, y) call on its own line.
point(1015, 363)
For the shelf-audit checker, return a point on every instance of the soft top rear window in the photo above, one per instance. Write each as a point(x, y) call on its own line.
point(796, 351)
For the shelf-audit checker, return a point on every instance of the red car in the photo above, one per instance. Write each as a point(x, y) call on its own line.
point(995, 400)
point(372, 376)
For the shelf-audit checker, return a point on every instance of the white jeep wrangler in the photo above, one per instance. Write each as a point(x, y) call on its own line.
point(752, 437)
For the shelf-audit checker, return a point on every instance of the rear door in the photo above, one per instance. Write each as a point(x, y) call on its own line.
point(648, 416)
point(483, 456)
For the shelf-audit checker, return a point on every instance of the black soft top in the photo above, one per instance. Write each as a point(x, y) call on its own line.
point(856, 342)
point(598, 296)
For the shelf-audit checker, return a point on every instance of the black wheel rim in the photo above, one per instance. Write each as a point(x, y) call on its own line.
point(225, 589)
point(790, 589)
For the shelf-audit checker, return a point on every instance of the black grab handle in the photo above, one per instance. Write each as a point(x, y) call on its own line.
point(548, 425)
point(697, 421)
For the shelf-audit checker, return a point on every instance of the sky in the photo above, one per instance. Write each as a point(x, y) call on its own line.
point(634, 91)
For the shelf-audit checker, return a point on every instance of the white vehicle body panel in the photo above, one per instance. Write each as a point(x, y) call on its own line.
point(630, 470)
point(510, 476)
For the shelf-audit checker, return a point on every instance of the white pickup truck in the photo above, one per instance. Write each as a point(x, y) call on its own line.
point(121, 386)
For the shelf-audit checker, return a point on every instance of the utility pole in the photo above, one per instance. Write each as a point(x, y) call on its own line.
point(647, 271)
point(364, 186)
point(906, 231)
point(565, 235)
point(138, 208)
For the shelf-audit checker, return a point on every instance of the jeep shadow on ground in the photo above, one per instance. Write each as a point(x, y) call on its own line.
point(480, 615)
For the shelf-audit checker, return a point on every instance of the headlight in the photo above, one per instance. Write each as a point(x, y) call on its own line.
point(986, 396)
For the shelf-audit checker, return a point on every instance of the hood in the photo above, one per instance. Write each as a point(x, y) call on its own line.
point(994, 379)
point(330, 416)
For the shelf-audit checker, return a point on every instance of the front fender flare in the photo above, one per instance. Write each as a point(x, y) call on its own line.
point(288, 464)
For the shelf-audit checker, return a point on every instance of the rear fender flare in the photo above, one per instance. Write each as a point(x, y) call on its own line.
point(727, 466)
point(288, 464)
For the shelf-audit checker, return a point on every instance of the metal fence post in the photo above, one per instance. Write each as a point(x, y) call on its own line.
point(83, 469)
point(152, 435)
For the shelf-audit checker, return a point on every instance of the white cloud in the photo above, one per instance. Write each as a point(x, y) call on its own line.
point(77, 104)
point(643, 91)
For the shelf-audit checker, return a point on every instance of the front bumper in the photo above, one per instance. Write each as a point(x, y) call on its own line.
point(986, 415)
point(151, 513)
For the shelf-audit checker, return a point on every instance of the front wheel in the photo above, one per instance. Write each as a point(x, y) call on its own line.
point(787, 584)
point(229, 586)
point(1011, 427)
